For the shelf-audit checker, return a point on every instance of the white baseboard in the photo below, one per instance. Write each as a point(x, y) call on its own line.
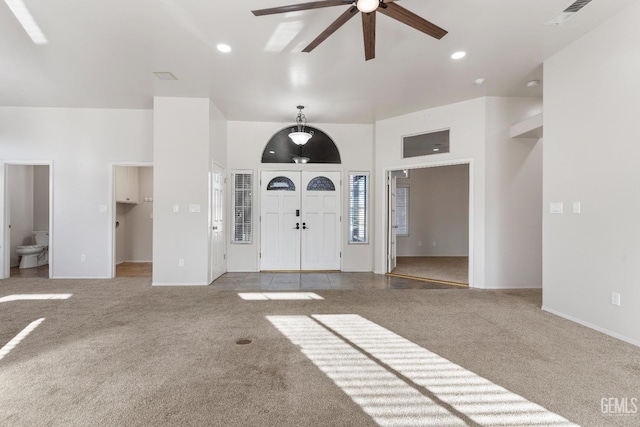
point(81, 278)
point(592, 326)
point(180, 284)
point(137, 261)
point(497, 288)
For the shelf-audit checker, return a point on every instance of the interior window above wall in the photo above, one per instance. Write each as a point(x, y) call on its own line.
point(425, 144)
point(242, 206)
point(358, 207)
point(402, 210)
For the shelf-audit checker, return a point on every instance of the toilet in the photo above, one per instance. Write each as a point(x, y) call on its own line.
point(35, 255)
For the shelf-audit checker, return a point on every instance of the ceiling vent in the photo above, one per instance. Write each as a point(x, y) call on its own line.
point(566, 14)
point(577, 5)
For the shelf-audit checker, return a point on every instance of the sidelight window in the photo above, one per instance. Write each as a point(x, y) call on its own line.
point(359, 207)
point(402, 210)
point(242, 207)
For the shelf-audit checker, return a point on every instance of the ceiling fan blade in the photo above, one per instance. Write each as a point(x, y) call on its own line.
point(300, 6)
point(411, 19)
point(369, 32)
point(342, 19)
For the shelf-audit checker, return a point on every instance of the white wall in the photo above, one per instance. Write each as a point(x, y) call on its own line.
point(467, 141)
point(81, 143)
point(438, 212)
point(513, 250)
point(591, 156)
point(188, 136)
point(139, 240)
point(40, 198)
point(21, 208)
point(506, 183)
point(247, 141)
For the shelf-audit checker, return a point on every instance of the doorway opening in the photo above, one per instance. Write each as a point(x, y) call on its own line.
point(429, 230)
point(27, 219)
point(132, 222)
point(300, 221)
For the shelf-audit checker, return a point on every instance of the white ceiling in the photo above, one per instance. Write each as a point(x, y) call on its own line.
point(103, 53)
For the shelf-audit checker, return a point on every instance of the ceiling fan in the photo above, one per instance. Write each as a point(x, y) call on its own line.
point(368, 9)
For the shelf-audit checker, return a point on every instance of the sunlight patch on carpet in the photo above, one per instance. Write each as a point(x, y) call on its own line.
point(264, 296)
point(25, 297)
point(381, 394)
point(22, 335)
point(479, 399)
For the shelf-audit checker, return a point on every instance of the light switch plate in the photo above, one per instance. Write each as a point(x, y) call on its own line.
point(615, 298)
point(194, 208)
point(556, 208)
point(176, 208)
point(577, 208)
point(103, 208)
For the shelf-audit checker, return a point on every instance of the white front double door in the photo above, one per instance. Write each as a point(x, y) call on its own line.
point(300, 220)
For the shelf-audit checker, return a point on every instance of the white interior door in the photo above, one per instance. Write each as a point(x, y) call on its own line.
point(393, 222)
point(280, 223)
point(320, 239)
point(5, 229)
point(217, 241)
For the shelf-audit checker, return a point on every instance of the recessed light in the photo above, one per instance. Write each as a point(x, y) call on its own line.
point(436, 149)
point(224, 48)
point(272, 152)
point(25, 18)
point(165, 75)
point(458, 55)
point(533, 83)
point(478, 82)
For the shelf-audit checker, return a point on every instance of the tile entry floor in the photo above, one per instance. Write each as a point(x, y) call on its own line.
point(275, 281)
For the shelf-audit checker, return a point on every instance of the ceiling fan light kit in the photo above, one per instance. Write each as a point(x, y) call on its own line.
point(368, 10)
point(367, 6)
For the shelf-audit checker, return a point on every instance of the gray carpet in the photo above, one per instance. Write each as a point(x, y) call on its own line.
point(120, 352)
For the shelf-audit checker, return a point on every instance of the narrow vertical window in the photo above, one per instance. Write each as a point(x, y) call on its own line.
point(359, 207)
point(242, 207)
point(402, 210)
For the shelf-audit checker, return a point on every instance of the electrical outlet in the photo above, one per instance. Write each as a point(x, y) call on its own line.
point(83, 258)
point(434, 243)
point(615, 298)
point(180, 263)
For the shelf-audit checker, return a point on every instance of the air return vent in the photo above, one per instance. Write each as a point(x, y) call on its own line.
point(577, 5)
point(564, 16)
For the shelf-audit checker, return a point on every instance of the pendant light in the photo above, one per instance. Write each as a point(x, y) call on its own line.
point(300, 137)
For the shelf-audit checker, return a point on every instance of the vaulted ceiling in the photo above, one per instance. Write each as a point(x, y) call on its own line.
point(103, 54)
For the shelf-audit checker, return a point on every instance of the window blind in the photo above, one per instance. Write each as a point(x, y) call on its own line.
point(402, 210)
point(242, 227)
point(358, 208)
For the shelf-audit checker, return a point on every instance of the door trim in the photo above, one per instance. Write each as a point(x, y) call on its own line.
point(111, 210)
point(5, 243)
point(225, 230)
point(386, 220)
point(315, 168)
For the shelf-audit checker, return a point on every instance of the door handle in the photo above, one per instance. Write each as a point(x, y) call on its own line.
point(304, 226)
point(215, 227)
point(297, 226)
